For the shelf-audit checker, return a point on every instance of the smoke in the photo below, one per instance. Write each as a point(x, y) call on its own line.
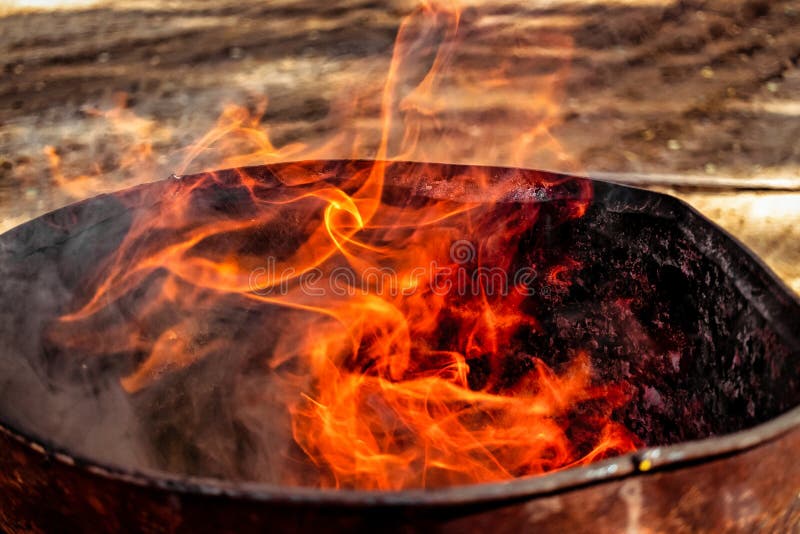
point(65, 400)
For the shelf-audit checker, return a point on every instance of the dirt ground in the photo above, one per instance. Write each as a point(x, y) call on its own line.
point(696, 97)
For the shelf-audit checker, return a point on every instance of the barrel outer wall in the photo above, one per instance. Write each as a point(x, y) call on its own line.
point(757, 490)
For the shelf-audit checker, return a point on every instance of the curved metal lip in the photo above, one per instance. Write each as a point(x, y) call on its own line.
point(643, 461)
point(639, 462)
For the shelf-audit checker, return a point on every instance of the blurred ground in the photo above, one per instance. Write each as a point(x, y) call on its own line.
point(699, 97)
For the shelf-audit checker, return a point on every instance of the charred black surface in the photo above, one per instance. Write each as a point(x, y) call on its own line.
point(667, 312)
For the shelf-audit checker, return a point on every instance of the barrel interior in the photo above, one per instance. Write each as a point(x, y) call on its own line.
point(655, 300)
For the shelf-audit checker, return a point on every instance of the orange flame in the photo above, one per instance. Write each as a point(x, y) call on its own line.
point(390, 382)
point(137, 159)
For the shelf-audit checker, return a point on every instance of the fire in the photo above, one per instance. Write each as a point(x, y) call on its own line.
point(394, 305)
point(135, 136)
